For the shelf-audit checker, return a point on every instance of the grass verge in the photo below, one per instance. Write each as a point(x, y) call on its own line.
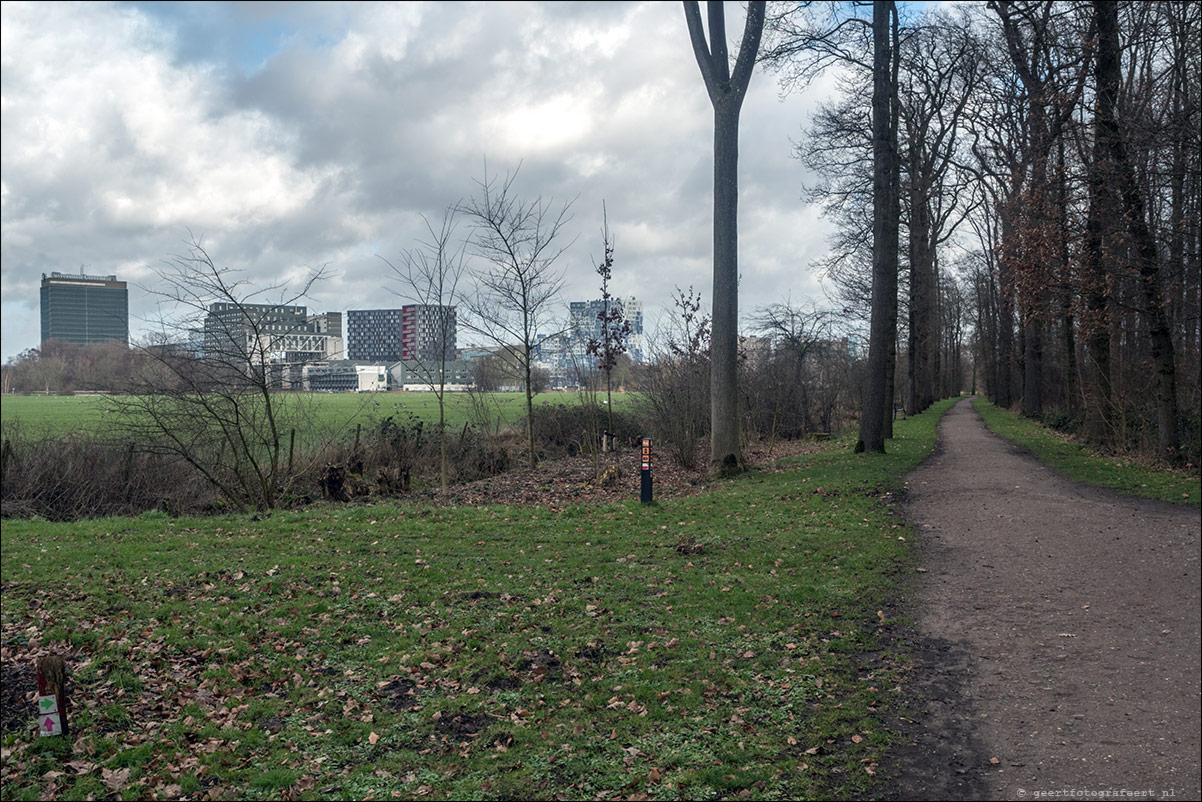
point(1063, 454)
point(727, 645)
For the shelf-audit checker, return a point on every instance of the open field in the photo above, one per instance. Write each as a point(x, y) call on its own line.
point(1076, 461)
point(58, 415)
point(726, 644)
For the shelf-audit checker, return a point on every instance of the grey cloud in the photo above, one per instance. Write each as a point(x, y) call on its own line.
point(404, 129)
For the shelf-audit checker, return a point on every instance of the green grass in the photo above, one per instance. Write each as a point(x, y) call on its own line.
point(59, 415)
point(1076, 461)
point(345, 652)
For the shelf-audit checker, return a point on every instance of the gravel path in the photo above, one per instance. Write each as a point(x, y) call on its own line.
point(1057, 631)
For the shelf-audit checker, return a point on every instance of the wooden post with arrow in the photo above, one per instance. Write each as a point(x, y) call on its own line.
point(52, 695)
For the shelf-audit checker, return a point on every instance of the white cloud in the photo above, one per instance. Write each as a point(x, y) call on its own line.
point(310, 134)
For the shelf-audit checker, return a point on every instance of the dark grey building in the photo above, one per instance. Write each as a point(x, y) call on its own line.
point(270, 333)
point(374, 334)
point(84, 309)
point(392, 335)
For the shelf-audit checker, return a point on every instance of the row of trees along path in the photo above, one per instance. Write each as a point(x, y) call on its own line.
point(1057, 627)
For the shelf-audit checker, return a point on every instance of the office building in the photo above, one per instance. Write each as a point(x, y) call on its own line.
point(585, 323)
point(84, 309)
point(270, 334)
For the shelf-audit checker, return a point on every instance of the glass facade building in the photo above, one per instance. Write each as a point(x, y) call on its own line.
point(84, 309)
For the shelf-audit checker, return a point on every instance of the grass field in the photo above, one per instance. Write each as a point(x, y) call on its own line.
point(1076, 461)
point(58, 415)
point(726, 645)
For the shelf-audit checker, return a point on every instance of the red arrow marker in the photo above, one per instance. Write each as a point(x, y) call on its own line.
point(49, 724)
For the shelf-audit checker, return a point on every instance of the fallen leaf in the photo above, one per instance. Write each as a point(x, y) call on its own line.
point(115, 780)
point(371, 739)
point(855, 739)
point(994, 761)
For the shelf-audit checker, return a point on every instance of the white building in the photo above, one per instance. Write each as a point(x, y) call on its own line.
point(344, 376)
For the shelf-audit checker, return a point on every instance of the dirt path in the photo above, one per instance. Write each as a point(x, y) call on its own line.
point(1057, 630)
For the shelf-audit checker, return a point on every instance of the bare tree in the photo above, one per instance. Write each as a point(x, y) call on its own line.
point(1116, 167)
point(676, 383)
point(939, 75)
point(615, 329)
point(726, 91)
point(219, 411)
point(781, 398)
point(429, 275)
point(803, 45)
point(519, 242)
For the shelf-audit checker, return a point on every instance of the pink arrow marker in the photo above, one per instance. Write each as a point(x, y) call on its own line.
point(49, 724)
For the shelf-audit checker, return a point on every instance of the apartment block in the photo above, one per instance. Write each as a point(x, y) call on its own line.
point(413, 332)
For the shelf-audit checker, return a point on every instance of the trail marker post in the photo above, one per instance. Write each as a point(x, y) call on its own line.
point(52, 696)
point(646, 472)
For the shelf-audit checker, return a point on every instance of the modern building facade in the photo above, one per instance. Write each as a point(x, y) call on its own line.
point(84, 309)
point(330, 324)
point(585, 322)
point(415, 375)
point(262, 334)
point(413, 332)
point(345, 376)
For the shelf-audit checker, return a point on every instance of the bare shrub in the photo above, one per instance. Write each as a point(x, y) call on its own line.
point(676, 387)
point(87, 476)
point(569, 429)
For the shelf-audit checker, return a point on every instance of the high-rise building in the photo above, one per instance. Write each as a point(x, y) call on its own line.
point(330, 324)
point(586, 323)
point(82, 309)
point(269, 333)
point(412, 332)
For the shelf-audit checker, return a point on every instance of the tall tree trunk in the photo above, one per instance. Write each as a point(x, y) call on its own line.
point(1159, 332)
point(1068, 325)
point(1005, 323)
point(533, 459)
point(725, 454)
point(922, 301)
point(893, 219)
point(883, 326)
point(1032, 366)
point(726, 92)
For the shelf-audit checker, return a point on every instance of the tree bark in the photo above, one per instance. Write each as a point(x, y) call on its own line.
point(922, 300)
point(878, 401)
point(1032, 365)
point(725, 454)
point(726, 92)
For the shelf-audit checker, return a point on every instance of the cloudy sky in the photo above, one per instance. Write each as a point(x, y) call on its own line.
point(294, 135)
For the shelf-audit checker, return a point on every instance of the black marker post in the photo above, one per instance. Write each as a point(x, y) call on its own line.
point(646, 470)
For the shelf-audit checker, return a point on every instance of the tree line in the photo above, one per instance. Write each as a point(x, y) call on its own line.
point(1021, 178)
